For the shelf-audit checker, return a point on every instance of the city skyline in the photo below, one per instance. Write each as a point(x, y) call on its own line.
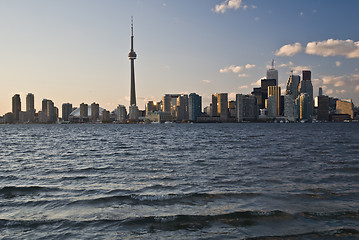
point(74, 51)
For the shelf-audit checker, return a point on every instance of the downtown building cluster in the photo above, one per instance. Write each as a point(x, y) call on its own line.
point(264, 104)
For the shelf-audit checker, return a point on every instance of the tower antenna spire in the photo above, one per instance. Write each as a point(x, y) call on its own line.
point(272, 63)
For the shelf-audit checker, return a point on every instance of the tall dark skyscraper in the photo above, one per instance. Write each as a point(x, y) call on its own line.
point(132, 56)
point(16, 106)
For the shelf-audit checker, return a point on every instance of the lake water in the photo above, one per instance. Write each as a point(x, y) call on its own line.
point(179, 181)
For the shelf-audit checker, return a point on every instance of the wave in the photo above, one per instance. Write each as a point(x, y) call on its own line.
point(347, 233)
point(165, 199)
point(240, 219)
point(13, 191)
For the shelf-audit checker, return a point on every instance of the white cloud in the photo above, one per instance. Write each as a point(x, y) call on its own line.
point(206, 81)
point(237, 69)
point(256, 19)
point(253, 6)
point(249, 66)
point(331, 47)
point(227, 4)
point(232, 68)
point(301, 13)
point(357, 88)
point(289, 50)
point(337, 63)
point(243, 87)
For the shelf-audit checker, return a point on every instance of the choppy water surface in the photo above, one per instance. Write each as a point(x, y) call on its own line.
point(179, 181)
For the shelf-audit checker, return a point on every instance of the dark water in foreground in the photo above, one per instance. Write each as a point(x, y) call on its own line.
point(179, 181)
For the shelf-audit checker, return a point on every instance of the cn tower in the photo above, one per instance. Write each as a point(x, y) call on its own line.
point(132, 56)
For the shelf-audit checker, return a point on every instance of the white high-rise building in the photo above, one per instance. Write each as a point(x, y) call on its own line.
point(272, 73)
point(121, 113)
point(290, 111)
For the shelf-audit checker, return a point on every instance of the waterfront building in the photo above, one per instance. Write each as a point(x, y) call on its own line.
point(182, 108)
point(292, 85)
point(30, 109)
point(323, 108)
point(345, 107)
point(222, 105)
point(303, 106)
point(121, 113)
point(275, 104)
point(158, 116)
point(84, 112)
point(95, 112)
point(290, 112)
point(271, 104)
point(133, 113)
point(246, 108)
point(106, 116)
point(66, 111)
point(214, 108)
point(51, 112)
point(194, 106)
point(16, 107)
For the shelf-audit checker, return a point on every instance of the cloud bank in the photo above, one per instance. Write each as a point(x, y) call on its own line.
point(331, 47)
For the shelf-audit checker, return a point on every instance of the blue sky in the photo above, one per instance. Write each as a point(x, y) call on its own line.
point(76, 51)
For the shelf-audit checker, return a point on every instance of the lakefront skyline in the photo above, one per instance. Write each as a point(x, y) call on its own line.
point(76, 51)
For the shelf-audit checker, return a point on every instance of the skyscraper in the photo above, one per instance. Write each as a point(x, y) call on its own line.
point(51, 112)
point(246, 108)
point(292, 85)
point(305, 86)
point(132, 56)
point(16, 106)
point(95, 112)
point(194, 106)
point(182, 108)
point(274, 91)
point(30, 110)
point(272, 73)
point(265, 83)
point(84, 116)
point(222, 105)
point(66, 110)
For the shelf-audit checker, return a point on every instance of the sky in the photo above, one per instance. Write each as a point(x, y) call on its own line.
point(76, 51)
